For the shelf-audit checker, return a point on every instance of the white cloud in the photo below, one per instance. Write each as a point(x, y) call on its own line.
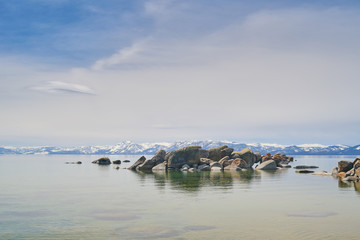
point(63, 87)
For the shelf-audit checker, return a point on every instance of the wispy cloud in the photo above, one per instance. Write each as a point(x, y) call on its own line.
point(63, 87)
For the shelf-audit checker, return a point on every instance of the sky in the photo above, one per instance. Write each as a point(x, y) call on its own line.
point(86, 72)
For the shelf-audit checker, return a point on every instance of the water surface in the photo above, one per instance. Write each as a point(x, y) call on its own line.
point(43, 198)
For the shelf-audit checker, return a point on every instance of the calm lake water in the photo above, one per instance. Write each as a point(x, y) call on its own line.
point(43, 198)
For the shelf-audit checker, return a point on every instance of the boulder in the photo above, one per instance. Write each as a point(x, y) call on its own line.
point(126, 161)
point(185, 168)
point(356, 163)
point(204, 153)
point(232, 168)
point(267, 165)
point(341, 174)
point(305, 167)
point(205, 160)
point(146, 165)
point(160, 167)
point(159, 157)
point(349, 179)
point(216, 166)
point(304, 171)
point(238, 162)
point(218, 153)
point(204, 167)
point(247, 155)
point(78, 162)
point(117, 162)
point(187, 155)
point(137, 163)
point(344, 166)
point(351, 172)
point(334, 171)
point(102, 161)
point(258, 157)
point(117, 167)
point(225, 161)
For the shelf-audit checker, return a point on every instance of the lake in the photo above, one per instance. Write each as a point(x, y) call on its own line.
point(43, 198)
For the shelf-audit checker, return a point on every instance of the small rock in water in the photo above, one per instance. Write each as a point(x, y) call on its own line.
point(305, 166)
point(117, 167)
point(322, 173)
point(304, 171)
point(126, 161)
point(117, 162)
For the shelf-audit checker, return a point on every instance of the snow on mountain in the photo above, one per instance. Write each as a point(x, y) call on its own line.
point(128, 147)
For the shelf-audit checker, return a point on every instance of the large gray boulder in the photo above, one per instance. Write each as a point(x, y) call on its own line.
point(225, 161)
point(218, 153)
point(267, 165)
point(247, 155)
point(146, 165)
point(160, 167)
point(137, 163)
point(204, 167)
point(187, 155)
point(159, 157)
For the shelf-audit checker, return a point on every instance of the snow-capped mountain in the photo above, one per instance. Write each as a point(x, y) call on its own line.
point(128, 147)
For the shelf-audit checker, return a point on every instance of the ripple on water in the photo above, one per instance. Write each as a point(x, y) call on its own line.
point(313, 214)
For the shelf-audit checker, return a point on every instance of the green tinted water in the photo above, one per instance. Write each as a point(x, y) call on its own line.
point(43, 198)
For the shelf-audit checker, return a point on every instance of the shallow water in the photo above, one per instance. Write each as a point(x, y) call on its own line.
point(43, 198)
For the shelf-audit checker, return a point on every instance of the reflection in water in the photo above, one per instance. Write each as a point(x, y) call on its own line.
point(194, 181)
point(355, 185)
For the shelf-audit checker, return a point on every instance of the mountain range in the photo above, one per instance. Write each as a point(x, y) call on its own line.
point(128, 147)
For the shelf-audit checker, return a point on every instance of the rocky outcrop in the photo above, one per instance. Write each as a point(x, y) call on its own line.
point(348, 171)
point(267, 165)
point(187, 155)
point(196, 159)
point(137, 163)
point(117, 162)
point(102, 161)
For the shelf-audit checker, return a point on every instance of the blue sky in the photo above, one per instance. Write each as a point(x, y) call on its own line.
point(98, 72)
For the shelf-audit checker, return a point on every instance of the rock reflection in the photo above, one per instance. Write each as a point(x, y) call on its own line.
point(195, 181)
point(355, 185)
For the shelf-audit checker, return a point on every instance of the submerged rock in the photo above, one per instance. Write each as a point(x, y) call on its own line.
point(305, 167)
point(304, 171)
point(117, 162)
point(322, 173)
point(126, 161)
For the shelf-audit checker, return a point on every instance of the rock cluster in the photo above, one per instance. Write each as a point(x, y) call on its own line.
point(348, 171)
point(196, 159)
point(272, 162)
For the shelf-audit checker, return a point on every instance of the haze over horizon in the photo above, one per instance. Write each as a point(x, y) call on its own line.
point(82, 72)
